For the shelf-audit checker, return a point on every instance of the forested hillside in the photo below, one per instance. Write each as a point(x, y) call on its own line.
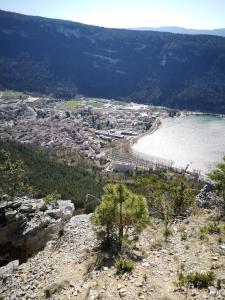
point(63, 58)
point(48, 175)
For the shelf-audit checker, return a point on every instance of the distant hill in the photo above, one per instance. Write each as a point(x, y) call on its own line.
point(181, 30)
point(63, 58)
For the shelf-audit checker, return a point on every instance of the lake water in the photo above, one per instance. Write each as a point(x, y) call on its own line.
point(195, 140)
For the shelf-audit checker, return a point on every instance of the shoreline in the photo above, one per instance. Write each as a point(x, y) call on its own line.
point(167, 163)
point(150, 158)
point(127, 155)
point(193, 113)
point(156, 125)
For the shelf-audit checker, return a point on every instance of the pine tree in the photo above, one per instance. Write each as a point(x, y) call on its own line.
point(120, 213)
point(218, 176)
point(167, 198)
point(12, 177)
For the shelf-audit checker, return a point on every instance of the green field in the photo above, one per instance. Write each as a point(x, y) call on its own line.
point(74, 104)
point(95, 103)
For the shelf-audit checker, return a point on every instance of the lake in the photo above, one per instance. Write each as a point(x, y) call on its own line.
point(198, 140)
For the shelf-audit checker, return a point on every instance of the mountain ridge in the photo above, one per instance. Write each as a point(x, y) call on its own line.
point(183, 30)
point(63, 58)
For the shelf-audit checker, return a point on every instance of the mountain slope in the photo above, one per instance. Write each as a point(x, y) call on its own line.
point(181, 30)
point(49, 175)
point(55, 56)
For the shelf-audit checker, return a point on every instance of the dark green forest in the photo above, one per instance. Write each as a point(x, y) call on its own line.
point(48, 175)
point(65, 58)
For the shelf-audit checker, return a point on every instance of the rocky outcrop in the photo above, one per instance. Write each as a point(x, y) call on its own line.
point(73, 267)
point(27, 224)
point(207, 197)
point(43, 270)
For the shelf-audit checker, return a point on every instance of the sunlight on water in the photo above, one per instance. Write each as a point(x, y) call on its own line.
point(199, 140)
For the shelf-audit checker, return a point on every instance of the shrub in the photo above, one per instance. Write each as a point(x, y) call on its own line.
point(197, 280)
point(203, 232)
point(168, 232)
point(201, 280)
point(218, 177)
point(219, 284)
point(184, 236)
point(52, 198)
point(214, 228)
point(124, 265)
point(182, 280)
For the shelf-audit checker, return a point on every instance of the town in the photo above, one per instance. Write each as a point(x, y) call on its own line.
point(90, 126)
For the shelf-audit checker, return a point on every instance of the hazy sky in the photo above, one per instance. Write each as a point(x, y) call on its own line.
point(199, 14)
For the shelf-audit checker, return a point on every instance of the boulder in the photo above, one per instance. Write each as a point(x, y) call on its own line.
point(54, 213)
point(66, 208)
point(26, 208)
point(39, 204)
point(207, 197)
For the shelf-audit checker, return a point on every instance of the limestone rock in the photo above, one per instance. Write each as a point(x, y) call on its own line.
point(212, 291)
point(28, 224)
point(9, 268)
point(54, 213)
point(39, 204)
point(122, 292)
point(222, 247)
point(66, 208)
point(207, 197)
point(26, 208)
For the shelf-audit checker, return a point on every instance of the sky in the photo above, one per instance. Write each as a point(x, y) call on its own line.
point(197, 14)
